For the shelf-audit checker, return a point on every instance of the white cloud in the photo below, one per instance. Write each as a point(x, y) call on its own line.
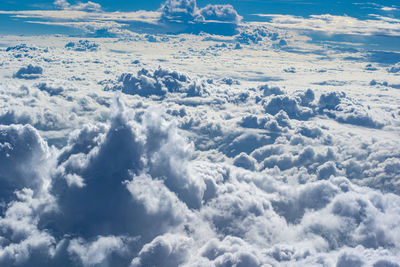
point(145, 201)
point(98, 251)
point(159, 82)
point(187, 11)
point(333, 24)
point(90, 17)
point(30, 72)
point(89, 6)
point(213, 180)
point(165, 250)
point(225, 13)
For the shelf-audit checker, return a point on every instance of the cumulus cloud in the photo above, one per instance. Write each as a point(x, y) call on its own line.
point(236, 171)
point(338, 106)
point(20, 48)
point(182, 10)
point(82, 45)
point(159, 83)
point(24, 155)
point(29, 72)
point(187, 11)
point(128, 192)
point(224, 13)
point(89, 17)
point(165, 250)
point(97, 252)
point(89, 6)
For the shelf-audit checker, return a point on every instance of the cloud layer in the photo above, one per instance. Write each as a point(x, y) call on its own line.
point(128, 192)
point(256, 149)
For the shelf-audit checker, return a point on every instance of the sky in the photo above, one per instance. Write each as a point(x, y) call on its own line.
point(199, 133)
point(246, 8)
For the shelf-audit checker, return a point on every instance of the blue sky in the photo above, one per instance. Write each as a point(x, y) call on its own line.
point(371, 36)
point(244, 7)
point(376, 10)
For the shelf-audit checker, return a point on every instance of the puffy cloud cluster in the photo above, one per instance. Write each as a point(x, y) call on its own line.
point(130, 193)
point(174, 16)
point(187, 11)
point(158, 82)
point(255, 34)
point(394, 69)
point(29, 72)
point(82, 45)
point(183, 10)
point(346, 110)
point(80, 6)
point(224, 13)
point(335, 105)
point(22, 151)
point(20, 48)
point(23, 50)
point(247, 36)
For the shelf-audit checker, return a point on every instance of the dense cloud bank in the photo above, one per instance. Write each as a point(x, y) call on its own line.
point(196, 162)
point(130, 193)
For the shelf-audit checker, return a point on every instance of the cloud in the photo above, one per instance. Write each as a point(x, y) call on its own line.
point(337, 105)
point(30, 72)
point(220, 178)
point(173, 16)
point(97, 252)
point(89, 6)
point(187, 11)
point(333, 24)
point(166, 250)
point(24, 156)
point(225, 13)
point(129, 192)
point(82, 45)
point(394, 69)
point(159, 82)
point(21, 48)
point(180, 10)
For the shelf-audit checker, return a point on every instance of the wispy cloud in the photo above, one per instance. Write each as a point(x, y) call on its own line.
point(332, 24)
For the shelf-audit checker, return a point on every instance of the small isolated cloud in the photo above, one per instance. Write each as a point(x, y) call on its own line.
point(386, 8)
point(224, 13)
point(179, 10)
